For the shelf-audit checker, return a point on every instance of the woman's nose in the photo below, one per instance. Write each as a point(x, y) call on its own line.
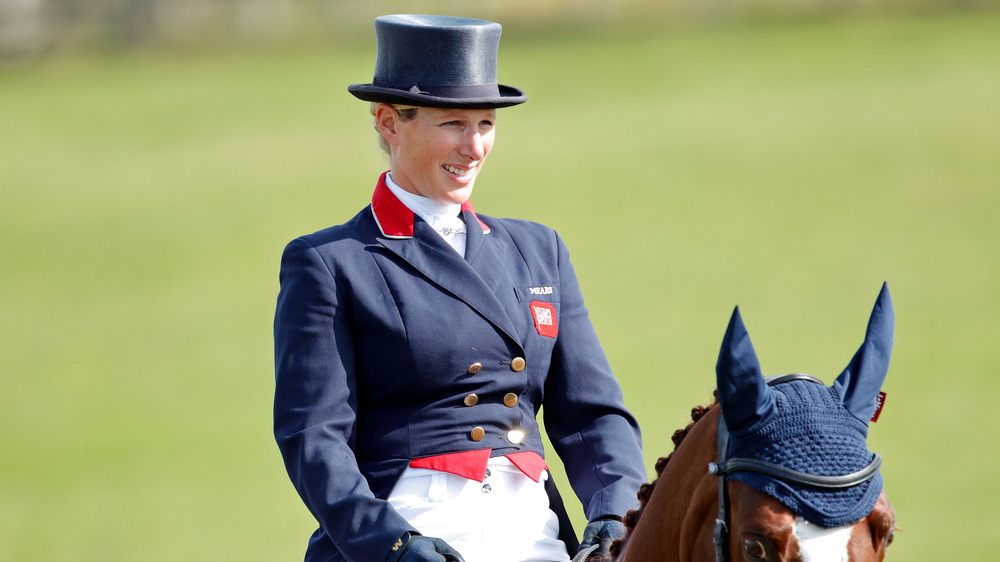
point(472, 146)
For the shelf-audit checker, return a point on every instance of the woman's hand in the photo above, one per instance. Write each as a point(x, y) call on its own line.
point(597, 539)
point(418, 548)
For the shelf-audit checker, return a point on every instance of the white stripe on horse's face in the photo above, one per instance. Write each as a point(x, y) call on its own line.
point(817, 544)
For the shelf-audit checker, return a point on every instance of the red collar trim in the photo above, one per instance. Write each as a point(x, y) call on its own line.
point(467, 206)
point(395, 219)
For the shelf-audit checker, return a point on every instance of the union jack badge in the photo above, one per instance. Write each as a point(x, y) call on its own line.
point(546, 322)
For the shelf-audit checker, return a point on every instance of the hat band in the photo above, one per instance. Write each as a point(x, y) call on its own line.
point(490, 91)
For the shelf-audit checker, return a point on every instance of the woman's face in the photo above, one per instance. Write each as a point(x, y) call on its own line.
point(439, 153)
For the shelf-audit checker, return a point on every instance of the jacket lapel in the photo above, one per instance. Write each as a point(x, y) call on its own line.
point(438, 262)
point(476, 280)
point(485, 258)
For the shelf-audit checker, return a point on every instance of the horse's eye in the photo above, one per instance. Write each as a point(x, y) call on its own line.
point(754, 549)
point(890, 537)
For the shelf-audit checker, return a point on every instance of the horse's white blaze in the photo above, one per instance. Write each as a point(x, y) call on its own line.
point(817, 544)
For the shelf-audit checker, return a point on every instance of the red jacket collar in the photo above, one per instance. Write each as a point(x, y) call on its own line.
point(395, 219)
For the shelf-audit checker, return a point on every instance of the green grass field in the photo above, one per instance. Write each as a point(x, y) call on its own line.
point(787, 168)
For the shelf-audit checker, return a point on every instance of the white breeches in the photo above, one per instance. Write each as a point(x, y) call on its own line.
point(505, 518)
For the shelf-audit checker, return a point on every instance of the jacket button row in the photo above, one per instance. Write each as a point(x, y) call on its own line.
point(515, 436)
point(510, 399)
point(516, 365)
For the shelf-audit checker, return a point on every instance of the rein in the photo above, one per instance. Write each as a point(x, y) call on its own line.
point(724, 466)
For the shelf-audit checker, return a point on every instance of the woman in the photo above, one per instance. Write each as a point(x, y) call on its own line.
point(415, 344)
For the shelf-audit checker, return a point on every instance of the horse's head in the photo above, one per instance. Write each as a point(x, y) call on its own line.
point(790, 477)
point(800, 450)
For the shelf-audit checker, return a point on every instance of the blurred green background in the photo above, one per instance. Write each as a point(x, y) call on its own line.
point(693, 156)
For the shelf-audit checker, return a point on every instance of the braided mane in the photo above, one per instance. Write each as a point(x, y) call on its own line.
point(646, 490)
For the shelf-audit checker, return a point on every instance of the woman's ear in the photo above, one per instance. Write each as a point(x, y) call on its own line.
point(386, 120)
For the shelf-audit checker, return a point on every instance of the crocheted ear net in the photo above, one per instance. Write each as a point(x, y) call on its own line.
point(810, 431)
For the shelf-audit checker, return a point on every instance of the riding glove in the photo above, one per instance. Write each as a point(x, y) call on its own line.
point(413, 547)
point(597, 539)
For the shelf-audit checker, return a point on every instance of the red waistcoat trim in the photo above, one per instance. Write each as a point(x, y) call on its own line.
point(472, 464)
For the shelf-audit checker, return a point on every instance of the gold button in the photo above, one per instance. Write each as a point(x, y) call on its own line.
point(475, 368)
point(510, 400)
point(517, 364)
point(471, 400)
point(477, 433)
point(515, 436)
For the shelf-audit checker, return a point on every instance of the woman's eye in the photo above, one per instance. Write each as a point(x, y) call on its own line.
point(754, 549)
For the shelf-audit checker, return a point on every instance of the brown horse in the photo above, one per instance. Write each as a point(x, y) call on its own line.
point(792, 481)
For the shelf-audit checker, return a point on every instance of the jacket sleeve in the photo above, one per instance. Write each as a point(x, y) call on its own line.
point(584, 413)
point(315, 407)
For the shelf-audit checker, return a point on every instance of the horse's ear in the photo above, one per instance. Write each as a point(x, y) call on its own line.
point(743, 393)
point(859, 384)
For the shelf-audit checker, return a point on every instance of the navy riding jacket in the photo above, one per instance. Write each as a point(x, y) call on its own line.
point(382, 331)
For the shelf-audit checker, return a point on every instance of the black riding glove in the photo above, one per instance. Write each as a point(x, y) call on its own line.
point(597, 539)
point(412, 547)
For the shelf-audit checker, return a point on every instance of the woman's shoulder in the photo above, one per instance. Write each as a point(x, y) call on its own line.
point(524, 231)
point(348, 233)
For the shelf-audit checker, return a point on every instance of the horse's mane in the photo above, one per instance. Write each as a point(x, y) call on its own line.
point(646, 490)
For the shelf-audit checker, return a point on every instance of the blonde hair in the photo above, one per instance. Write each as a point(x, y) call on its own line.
point(405, 112)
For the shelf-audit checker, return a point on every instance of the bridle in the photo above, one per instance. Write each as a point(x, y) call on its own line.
point(725, 465)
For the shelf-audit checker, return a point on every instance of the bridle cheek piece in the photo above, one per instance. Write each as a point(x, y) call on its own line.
point(724, 466)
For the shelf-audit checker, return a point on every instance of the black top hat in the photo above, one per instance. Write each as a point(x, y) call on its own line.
point(437, 61)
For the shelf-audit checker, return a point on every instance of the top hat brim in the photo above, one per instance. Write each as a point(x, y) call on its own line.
point(508, 96)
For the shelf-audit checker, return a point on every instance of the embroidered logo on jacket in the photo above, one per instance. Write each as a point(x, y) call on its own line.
point(546, 322)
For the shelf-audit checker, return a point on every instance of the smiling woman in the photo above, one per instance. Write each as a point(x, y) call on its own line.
point(438, 153)
point(416, 344)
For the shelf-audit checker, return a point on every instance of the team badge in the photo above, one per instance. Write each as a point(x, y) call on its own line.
point(545, 318)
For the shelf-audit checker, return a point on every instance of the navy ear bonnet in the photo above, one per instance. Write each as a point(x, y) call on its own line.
point(810, 432)
point(807, 427)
